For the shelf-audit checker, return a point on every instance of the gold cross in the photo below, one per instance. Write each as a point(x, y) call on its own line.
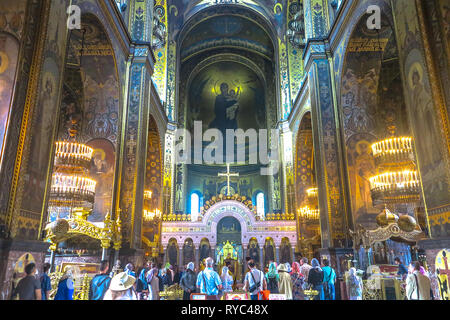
point(228, 174)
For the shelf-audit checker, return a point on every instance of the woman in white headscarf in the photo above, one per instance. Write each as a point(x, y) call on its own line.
point(227, 280)
point(188, 281)
point(354, 285)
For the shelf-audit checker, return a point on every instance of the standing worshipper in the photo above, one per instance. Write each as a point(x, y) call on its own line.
point(354, 285)
point(315, 279)
point(166, 278)
point(46, 285)
point(29, 287)
point(121, 288)
point(402, 270)
point(284, 282)
point(272, 278)
point(188, 281)
point(65, 286)
point(208, 281)
point(304, 267)
point(129, 269)
point(329, 279)
point(227, 280)
point(177, 274)
point(100, 283)
point(254, 281)
point(153, 283)
point(142, 285)
point(418, 286)
point(288, 267)
point(298, 281)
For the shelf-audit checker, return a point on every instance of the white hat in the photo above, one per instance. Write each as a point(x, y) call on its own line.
point(122, 281)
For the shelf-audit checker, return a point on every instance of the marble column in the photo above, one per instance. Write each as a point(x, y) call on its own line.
point(277, 254)
point(197, 256)
point(261, 257)
point(164, 256)
point(293, 254)
point(180, 256)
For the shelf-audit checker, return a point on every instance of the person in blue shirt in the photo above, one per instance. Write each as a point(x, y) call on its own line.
point(208, 281)
point(46, 285)
point(402, 270)
point(65, 286)
point(329, 279)
point(100, 283)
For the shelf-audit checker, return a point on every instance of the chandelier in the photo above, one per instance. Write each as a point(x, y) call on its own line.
point(154, 215)
point(395, 187)
point(398, 181)
point(308, 214)
point(71, 188)
point(393, 150)
point(147, 194)
point(312, 194)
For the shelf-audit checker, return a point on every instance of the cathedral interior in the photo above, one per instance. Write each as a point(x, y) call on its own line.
point(114, 123)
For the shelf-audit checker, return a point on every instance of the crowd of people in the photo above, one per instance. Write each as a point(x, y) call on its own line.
point(147, 282)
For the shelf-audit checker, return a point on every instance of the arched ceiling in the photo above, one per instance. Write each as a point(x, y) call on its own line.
point(227, 31)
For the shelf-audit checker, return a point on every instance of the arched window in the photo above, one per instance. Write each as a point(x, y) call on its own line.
point(260, 210)
point(195, 206)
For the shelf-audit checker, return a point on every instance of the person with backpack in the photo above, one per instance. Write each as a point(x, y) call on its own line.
point(100, 283)
point(329, 279)
point(254, 281)
point(208, 281)
point(315, 279)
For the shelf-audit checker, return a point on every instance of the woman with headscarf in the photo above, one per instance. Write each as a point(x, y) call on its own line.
point(272, 278)
point(288, 267)
point(188, 281)
point(65, 286)
point(129, 269)
point(298, 281)
point(121, 288)
point(153, 284)
point(227, 280)
point(315, 279)
point(354, 285)
point(284, 282)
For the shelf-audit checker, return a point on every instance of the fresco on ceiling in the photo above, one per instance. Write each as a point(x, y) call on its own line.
point(227, 31)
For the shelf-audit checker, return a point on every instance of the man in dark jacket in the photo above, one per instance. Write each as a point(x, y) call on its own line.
point(188, 281)
point(100, 283)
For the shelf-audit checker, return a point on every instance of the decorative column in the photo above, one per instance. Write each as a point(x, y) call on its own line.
point(293, 254)
point(135, 131)
point(261, 257)
point(197, 256)
point(335, 215)
point(213, 253)
point(180, 256)
point(277, 254)
point(316, 18)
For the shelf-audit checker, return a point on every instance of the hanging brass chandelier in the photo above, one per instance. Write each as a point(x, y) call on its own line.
point(71, 187)
point(398, 181)
point(308, 214)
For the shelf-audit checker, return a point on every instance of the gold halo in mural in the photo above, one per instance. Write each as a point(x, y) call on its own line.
point(4, 62)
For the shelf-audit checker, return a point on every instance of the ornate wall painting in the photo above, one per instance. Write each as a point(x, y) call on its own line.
point(9, 51)
point(368, 109)
point(269, 251)
point(102, 171)
point(40, 145)
point(12, 15)
point(188, 252)
point(430, 144)
point(227, 95)
point(160, 43)
point(172, 252)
